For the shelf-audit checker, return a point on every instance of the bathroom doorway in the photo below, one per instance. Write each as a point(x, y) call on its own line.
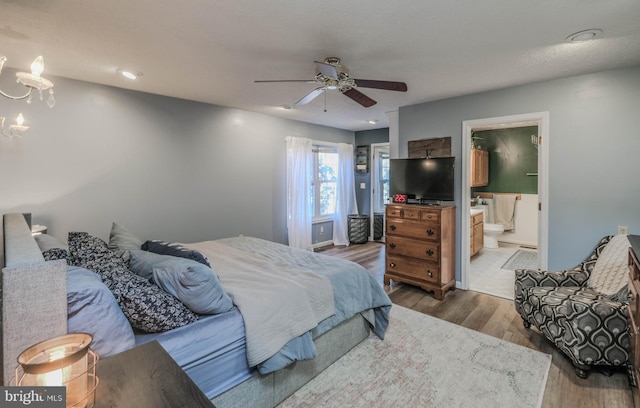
point(379, 188)
point(489, 275)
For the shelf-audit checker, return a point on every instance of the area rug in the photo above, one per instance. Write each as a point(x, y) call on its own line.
point(427, 362)
point(522, 259)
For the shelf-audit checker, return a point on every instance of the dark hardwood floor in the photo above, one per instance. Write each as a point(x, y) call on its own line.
point(497, 317)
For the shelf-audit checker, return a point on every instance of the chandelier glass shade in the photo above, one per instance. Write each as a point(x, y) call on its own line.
point(32, 81)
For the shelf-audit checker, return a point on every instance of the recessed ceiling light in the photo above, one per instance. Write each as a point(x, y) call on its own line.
point(584, 35)
point(372, 122)
point(130, 74)
point(286, 107)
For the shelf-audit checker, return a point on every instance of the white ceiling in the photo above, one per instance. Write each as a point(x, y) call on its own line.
point(212, 50)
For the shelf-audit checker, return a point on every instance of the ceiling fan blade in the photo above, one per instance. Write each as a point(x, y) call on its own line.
point(310, 96)
point(388, 85)
point(359, 97)
point(309, 81)
point(327, 69)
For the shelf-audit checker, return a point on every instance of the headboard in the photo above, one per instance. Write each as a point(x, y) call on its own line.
point(33, 293)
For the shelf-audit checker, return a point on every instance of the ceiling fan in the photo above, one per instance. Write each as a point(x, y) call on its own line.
point(330, 74)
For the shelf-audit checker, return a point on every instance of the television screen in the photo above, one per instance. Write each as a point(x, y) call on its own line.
point(423, 180)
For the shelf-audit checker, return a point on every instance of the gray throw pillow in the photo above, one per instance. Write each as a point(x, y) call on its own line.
point(121, 241)
point(195, 284)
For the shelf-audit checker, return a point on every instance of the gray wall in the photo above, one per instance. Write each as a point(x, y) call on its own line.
point(165, 168)
point(593, 151)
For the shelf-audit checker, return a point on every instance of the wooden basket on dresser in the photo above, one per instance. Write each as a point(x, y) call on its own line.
point(420, 246)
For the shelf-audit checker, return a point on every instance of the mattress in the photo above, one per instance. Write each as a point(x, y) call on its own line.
point(211, 351)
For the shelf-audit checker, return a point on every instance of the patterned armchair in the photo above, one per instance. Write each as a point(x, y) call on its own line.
point(583, 310)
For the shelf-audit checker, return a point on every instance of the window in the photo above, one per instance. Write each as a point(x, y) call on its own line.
point(383, 180)
point(325, 181)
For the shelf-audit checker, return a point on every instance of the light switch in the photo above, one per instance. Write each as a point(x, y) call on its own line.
point(363, 186)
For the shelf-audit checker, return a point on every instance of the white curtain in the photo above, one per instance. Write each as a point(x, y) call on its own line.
point(299, 177)
point(345, 195)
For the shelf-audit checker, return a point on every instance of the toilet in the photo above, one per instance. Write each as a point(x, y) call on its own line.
point(491, 231)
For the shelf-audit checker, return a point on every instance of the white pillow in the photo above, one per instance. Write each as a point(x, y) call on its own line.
point(610, 273)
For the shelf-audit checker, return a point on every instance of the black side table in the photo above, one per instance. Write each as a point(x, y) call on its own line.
point(146, 377)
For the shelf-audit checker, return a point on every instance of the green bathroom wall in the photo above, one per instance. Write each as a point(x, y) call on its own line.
point(513, 160)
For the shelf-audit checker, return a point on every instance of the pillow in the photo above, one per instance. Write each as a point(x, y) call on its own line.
point(142, 262)
point(195, 284)
point(169, 248)
point(46, 242)
point(146, 306)
point(55, 254)
point(121, 241)
point(610, 273)
point(91, 308)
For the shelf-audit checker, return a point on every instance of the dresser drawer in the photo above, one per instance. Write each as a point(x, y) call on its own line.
point(413, 268)
point(430, 216)
point(394, 211)
point(426, 250)
point(414, 229)
point(411, 214)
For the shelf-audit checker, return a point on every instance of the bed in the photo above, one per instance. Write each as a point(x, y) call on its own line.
point(222, 352)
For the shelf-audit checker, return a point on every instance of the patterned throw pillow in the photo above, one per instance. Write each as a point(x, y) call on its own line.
point(146, 306)
point(170, 248)
point(55, 254)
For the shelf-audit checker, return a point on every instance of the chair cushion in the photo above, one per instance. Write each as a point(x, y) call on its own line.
point(582, 323)
point(609, 274)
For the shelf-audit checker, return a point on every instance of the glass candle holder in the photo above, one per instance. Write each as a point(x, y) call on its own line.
point(61, 361)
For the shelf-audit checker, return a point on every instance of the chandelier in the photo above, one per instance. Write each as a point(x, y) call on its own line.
point(32, 80)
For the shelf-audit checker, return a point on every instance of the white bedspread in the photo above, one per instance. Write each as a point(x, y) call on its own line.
point(278, 302)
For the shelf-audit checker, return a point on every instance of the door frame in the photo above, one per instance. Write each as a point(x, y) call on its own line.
point(372, 183)
point(540, 119)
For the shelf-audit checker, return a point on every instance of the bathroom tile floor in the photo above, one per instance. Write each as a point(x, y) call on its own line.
point(486, 273)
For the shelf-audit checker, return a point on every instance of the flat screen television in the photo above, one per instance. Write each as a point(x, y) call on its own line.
point(422, 180)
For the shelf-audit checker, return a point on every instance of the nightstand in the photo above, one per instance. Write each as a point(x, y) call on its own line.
point(146, 377)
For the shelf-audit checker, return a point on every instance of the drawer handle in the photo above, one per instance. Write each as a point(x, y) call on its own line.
point(429, 252)
point(430, 232)
point(392, 245)
point(392, 227)
point(430, 274)
point(392, 264)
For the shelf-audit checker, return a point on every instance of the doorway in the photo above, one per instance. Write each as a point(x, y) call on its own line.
point(379, 189)
point(539, 119)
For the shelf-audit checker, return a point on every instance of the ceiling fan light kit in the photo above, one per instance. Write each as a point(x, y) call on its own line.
point(332, 75)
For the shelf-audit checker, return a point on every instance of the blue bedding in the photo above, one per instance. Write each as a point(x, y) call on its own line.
point(355, 291)
point(211, 351)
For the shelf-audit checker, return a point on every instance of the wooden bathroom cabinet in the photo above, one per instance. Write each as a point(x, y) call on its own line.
point(479, 168)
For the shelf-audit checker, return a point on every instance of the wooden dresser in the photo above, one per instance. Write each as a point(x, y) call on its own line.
point(420, 246)
point(634, 312)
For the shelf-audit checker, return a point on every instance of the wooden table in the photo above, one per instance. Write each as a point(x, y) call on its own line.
point(146, 377)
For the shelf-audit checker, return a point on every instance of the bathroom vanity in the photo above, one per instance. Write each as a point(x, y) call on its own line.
point(477, 231)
